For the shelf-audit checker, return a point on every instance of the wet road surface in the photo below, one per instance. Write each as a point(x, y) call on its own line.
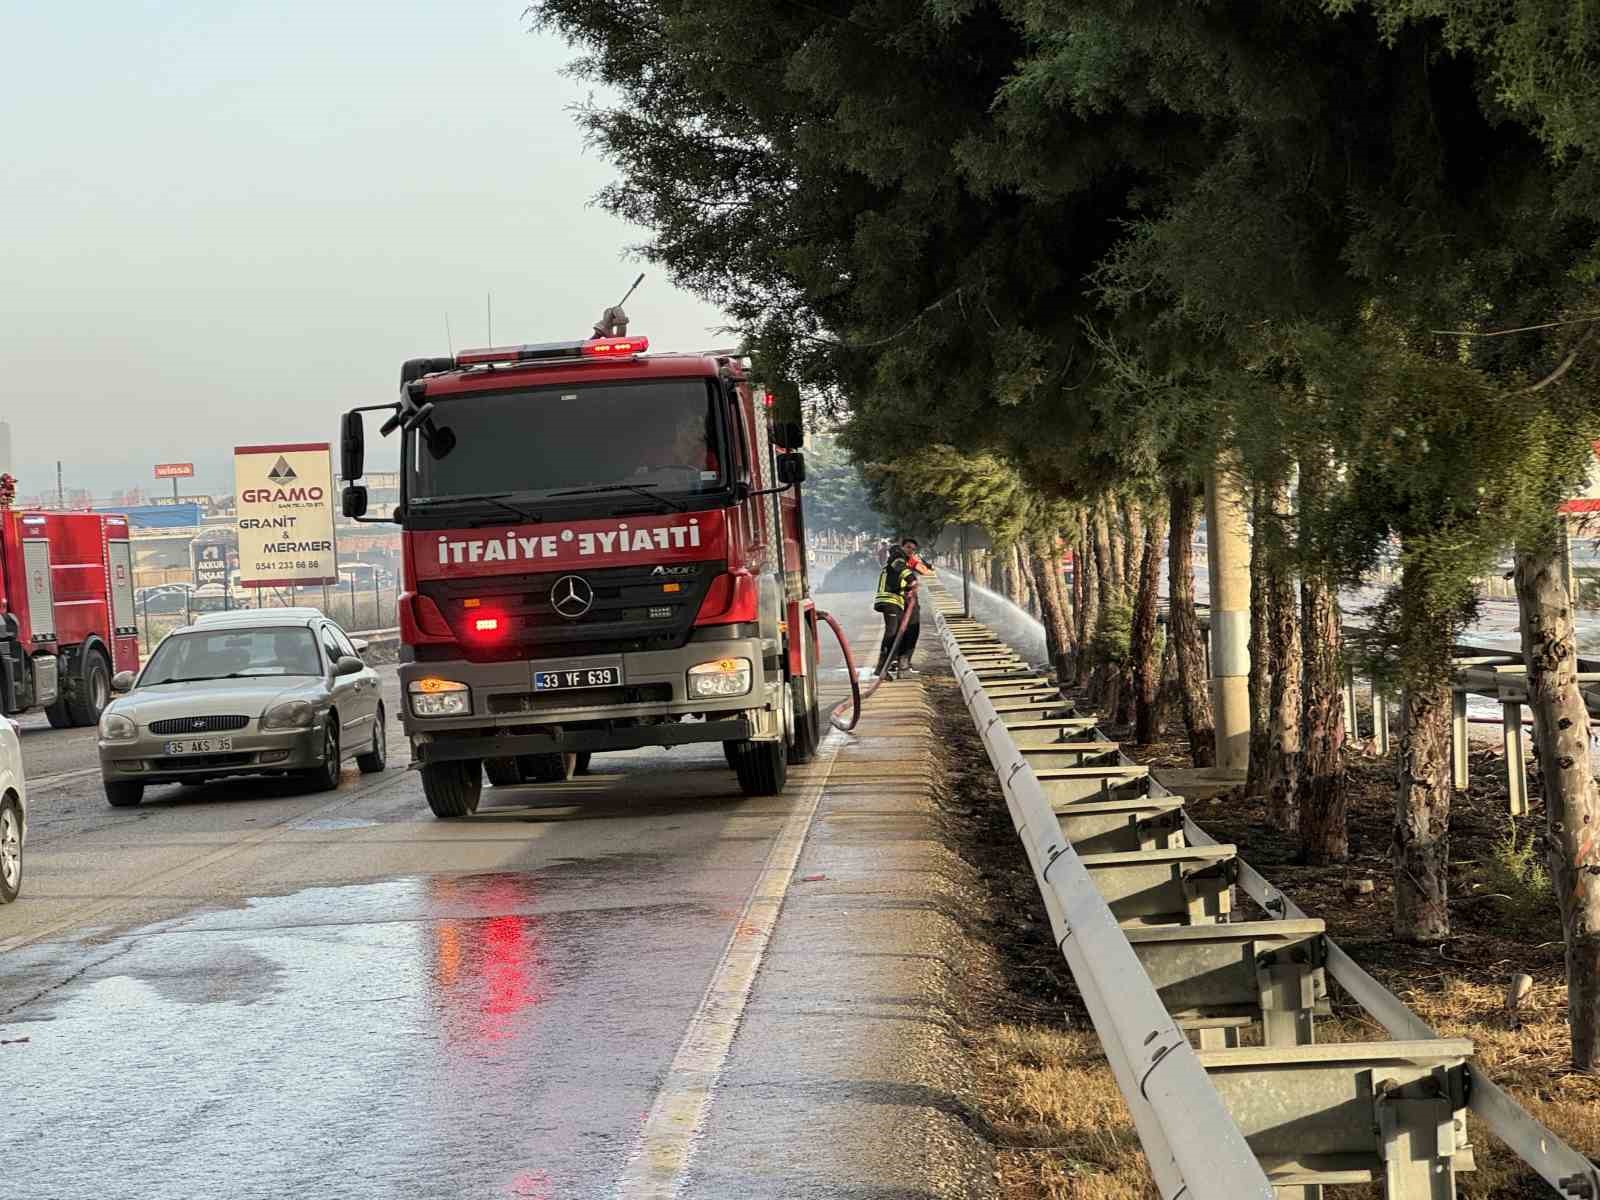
point(239, 990)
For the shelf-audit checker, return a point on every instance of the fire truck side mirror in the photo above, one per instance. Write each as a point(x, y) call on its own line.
point(354, 500)
point(791, 468)
point(353, 447)
point(791, 435)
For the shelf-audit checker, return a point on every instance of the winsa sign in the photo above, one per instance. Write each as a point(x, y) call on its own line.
point(284, 499)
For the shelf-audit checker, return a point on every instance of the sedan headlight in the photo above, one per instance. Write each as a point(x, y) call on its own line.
point(724, 677)
point(291, 714)
point(439, 698)
point(114, 727)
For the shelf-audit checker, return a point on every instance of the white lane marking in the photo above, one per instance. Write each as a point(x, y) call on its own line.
point(660, 1159)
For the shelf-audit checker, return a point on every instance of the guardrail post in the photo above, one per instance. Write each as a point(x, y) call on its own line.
point(1228, 566)
point(1458, 740)
point(1380, 719)
point(1348, 698)
point(1516, 764)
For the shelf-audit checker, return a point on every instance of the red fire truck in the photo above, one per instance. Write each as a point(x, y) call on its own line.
point(603, 550)
point(66, 610)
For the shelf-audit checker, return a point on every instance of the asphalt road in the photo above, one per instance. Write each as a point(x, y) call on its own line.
point(244, 990)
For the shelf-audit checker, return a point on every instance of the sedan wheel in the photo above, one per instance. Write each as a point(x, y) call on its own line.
point(10, 851)
point(326, 777)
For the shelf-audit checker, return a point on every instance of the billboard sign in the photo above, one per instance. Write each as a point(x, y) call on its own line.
point(283, 500)
point(174, 470)
point(215, 558)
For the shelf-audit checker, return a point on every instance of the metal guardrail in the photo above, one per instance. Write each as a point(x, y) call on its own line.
point(1566, 1170)
point(1191, 1143)
point(1557, 1163)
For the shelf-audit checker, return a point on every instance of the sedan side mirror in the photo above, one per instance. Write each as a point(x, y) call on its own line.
point(122, 681)
point(349, 664)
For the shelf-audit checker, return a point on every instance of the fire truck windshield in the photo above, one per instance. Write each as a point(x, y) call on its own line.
point(660, 438)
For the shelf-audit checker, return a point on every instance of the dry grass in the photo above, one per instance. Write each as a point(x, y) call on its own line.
point(1052, 1097)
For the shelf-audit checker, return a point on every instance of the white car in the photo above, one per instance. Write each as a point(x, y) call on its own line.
point(13, 811)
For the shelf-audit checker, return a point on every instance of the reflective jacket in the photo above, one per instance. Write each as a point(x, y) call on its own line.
point(894, 581)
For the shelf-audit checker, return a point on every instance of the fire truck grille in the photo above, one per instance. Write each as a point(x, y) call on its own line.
point(632, 608)
point(177, 725)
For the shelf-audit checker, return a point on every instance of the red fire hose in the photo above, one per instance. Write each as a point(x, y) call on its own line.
point(857, 696)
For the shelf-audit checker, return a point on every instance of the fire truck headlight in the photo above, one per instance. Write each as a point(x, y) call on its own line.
point(291, 714)
point(723, 677)
point(439, 698)
point(114, 727)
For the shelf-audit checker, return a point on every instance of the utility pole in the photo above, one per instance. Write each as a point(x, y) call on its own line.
point(966, 576)
point(61, 492)
point(1228, 568)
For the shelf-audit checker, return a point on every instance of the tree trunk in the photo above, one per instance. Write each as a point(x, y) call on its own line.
point(1030, 583)
point(1133, 533)
point(1183, 629)
point(1260, 653)
point(1321, 797)
point(1146, 654)
point(1167, 700)
point(1421, 850)
point(1086, 589)
point(1109, 520)
point(1282, 774)
point(1052, 597)
point(1571, 797)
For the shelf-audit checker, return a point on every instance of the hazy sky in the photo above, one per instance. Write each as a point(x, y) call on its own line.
point(224, 222)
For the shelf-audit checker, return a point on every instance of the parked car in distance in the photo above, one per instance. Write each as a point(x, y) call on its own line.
point(13, 811)
point(250, 692)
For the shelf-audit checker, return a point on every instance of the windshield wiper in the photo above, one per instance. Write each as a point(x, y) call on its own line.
point(639, 488)
point(495, 498)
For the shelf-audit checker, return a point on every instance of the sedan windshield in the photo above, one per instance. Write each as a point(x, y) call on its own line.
point(657, 438)
point(233, 654)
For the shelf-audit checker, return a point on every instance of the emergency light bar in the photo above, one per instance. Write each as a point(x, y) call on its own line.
point(623, 347)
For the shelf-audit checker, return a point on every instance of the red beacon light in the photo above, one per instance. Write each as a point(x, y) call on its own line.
point(555, 352)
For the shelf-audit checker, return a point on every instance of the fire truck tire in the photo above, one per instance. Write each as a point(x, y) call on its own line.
point(581, 766)
point(503, 772)
point(807, 720)
point(548, 768)
point(453, 788)
point(762, 767)
point(122, 794)
point(91, 692)
point(59, 713)
point(730, 751)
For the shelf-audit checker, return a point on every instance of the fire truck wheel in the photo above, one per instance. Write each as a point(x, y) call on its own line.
point(807, 720)
point(453, 788)
point(762, 767)
point(581, 766)
point(375, 759)
point(503, 772)
point(122, 794)
point(88, 699)
point(60, 713)
point(730, 751)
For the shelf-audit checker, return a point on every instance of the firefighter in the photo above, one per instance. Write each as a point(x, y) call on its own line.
point(896, 582)
point(908, 644)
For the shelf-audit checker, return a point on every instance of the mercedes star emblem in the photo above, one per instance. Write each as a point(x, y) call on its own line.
point(571, 597)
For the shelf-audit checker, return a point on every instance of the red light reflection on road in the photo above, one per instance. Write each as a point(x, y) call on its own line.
point(487, 969)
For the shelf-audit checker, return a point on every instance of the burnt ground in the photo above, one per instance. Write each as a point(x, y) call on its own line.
point(1503, 921)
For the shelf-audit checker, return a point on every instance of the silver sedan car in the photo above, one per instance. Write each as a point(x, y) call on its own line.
point(250, 692)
